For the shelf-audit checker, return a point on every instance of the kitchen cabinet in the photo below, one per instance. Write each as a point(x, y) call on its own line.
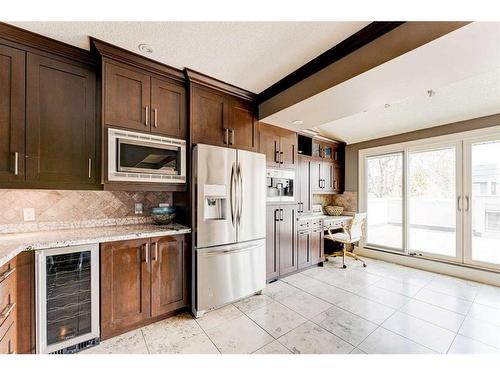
point(281, 257)
point(310, 248)
point(61, 123)
point(220, 119)
point(322, 174)
point(325, 150)
point(125, 285)
point(12, 112)
point(279, 145)
point(303, 185)
point(137, 100)
point(141, 280)
point(168, 276)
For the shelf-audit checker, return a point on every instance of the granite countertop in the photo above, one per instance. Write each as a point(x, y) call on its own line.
point(316, 216)
point(14, 243)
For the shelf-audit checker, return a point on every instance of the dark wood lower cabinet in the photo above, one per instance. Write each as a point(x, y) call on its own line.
point(141, 280)
point(168, 276)
point(280, 240)
point(316, 245)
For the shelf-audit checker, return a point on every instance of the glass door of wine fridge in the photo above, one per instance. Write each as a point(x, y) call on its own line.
point(67, 298)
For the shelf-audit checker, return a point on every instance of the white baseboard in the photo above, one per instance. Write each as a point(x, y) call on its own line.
point(464, 272)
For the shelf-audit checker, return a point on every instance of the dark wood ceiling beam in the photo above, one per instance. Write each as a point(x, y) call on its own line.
point(373, 45)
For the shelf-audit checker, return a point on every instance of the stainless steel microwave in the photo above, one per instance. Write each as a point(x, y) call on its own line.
point(141, 157)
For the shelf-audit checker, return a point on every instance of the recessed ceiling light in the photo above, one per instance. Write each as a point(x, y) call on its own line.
point(297, 122)
point(431, 93)
point(387, 105)
point(145, 48)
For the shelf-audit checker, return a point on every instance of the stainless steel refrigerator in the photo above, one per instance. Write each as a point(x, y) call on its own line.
point(230, 226)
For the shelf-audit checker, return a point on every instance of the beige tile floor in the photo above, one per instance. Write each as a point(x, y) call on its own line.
point(384, 308)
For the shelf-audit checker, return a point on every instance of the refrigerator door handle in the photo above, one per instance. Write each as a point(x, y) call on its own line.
point(240, 182)
point(231, 194)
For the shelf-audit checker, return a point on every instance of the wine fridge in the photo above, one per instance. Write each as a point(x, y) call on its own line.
point(67, 299)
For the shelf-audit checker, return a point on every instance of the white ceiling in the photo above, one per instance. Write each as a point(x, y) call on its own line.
point(462, 67)
point(250, 55)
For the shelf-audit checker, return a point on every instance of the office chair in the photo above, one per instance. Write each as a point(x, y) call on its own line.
point(352, 233)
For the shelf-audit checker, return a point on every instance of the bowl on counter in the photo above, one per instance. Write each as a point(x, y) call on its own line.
point(163, 215)
point(334, 210)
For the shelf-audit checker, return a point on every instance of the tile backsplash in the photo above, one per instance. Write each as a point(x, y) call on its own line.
point(65, 209)
point(348, 200)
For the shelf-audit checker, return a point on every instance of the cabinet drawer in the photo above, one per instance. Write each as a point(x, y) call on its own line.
point(302, 224)
point(7, 298)
point(316, 223)
point(304, 232)
point(8, 343)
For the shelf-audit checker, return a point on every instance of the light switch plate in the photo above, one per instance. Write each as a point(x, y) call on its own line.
point(29, 214)
point(138, 208)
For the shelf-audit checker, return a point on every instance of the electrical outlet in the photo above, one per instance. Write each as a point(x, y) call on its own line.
point(138, 208)
point(29, 214)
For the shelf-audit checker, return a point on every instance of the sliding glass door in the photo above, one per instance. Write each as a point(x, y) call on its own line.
point(434, 211)
point(435, 199)
point(385, 201)
point(482, 202)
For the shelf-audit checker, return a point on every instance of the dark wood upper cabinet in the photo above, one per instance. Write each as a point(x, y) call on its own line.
point(242, 125)
point(12, 112)
point(125, 285)
point(126, 98)
point(168, 274)
point(209, 116)
point(279, 145)
point(61, 123)
point(168, 106)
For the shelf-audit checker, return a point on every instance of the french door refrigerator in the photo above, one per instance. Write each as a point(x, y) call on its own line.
point(230, 226)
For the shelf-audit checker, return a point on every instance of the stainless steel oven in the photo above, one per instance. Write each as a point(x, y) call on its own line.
point(67, 298)
point(144, 157)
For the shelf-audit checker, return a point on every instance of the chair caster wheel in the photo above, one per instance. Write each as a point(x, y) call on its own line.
point(344, 266)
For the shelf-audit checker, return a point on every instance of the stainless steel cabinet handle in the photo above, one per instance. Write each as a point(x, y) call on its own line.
point(90, 167)
point(226, 136)
point(468, 203)
point(281, 157)
point(459, 199)
point(155, 118)
point(281, 214)
point(16, 163)
point(6, 312)
point(146, 251)
point(6, 274)
point(155, 251)
point(276, 215)
point(232, 136)
point(147, 115)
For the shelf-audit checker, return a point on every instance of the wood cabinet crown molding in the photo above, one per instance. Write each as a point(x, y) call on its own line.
point(113, 52)
point(42, 43)
point(213, 83)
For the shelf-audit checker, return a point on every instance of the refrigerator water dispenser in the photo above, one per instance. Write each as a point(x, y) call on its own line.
point(215, 201)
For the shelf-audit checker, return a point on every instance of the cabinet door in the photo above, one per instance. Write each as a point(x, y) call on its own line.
point(168, 274)
point(328, 151)
point(269, 144)
point(288, 149)
point(60, 122)
point(317, 149)
point(242, 132)
point(315, 174)
point(12, 80)
point(316, 245)
point(125, 286)
point(272, 238)
point(209, 117)
point(327, 172)
point(8, 344)
point(288, 256)
point(303, 185)
point(126, 98)
point(168, 108)
point(303, 254)
point(338, 177)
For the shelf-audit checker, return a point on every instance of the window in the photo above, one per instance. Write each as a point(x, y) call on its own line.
point(493, 221)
